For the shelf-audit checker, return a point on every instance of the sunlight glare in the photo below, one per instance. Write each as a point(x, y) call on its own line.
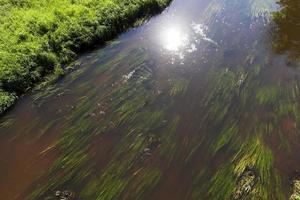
point(173, 39)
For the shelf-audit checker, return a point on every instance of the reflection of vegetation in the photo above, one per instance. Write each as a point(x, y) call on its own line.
point(287, 37)
point(37, 37)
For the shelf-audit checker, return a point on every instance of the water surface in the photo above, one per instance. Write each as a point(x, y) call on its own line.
point(178, 108)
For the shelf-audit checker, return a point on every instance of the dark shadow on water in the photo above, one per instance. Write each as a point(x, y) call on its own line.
point(287, 28)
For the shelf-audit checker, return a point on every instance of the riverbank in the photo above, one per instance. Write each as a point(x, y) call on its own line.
point(38, 38)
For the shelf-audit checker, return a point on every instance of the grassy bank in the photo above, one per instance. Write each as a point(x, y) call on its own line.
point(38, 37)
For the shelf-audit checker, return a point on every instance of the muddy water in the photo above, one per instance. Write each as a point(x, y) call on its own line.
point(178, 108)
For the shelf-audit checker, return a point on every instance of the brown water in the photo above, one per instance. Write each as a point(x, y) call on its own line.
point(177, 108)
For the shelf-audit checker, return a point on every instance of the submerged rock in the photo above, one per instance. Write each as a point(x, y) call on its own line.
point(245, 185)
point(65, 195)
point(153, 141)
point(147, 151)
point(296, 190)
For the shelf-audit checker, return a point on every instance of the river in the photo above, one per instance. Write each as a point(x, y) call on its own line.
point(178, 108)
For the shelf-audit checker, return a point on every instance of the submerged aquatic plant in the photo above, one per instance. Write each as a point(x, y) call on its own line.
point(132, 110)
point(267, 95)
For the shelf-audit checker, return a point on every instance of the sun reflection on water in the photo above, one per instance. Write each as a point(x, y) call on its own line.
point(180, 41)
point(173, 39)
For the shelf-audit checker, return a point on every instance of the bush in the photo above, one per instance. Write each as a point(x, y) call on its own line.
point(6, 100)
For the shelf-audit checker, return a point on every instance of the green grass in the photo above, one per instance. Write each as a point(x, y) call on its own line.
point(39, 37)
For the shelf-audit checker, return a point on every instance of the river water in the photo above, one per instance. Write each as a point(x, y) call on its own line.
point(178, 108)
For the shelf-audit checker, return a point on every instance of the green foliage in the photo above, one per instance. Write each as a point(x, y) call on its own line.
point(6, 100)
point(36, 36)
